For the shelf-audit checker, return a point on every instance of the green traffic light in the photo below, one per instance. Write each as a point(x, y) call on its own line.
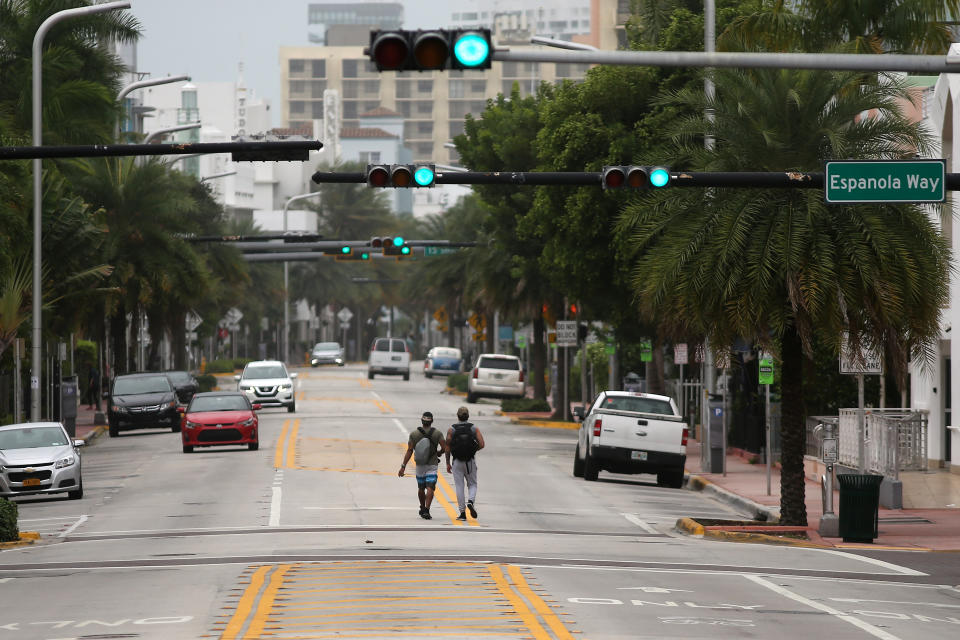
point(345, 251)
point(659, 177)
point(471, 49)
point(364, 256)
point(423, 176)
point(398, 241)
point(405, 251)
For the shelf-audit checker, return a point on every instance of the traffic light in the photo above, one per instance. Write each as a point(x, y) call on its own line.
point(396, 246)
point(430, 50)
point(634, 177)
point(348, 253)
point(401, 176)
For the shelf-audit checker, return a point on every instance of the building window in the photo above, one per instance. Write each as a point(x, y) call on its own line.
point(298, 107)
point(317, 109)
point(457, 88)
point(510, 69)
point(403, 89)
point(350, 68)
point(478, 86)
point(423, 150)
point(508, 87)
point(371, 88)
point(369, 157)
point(296, 67)
point(425, 129)
point(316, 91)
point(425, 86)
point(370, 105)
point(319, 69)
point(456, 128)
point(297, 88)
point(424, 108)
point(349, 109)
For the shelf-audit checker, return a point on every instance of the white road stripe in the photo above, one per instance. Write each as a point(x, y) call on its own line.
point(865, 626)
point(358, 508)
point(76, 524)
point(880, 563)
point(275, 507)
point(398, 423)
point(2, 580)
point(640, 523)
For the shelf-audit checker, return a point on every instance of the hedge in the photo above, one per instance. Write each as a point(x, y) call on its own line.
point(524, 404)
point(9, 530)
point(457, 381)
point(226, 366)
point(206, 382)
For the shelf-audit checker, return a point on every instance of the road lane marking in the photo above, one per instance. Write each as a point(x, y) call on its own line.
point(278, 455)
point(923, 604)
point(245, 606)
point(76, 524)
point(275, 502)
point(541, 607)
point(865, 626)
point(880, 563)
point(291, 461)
point(401, 427)
point(266, 602)
point(438, 495)
point(640, 523)
point(539, 633)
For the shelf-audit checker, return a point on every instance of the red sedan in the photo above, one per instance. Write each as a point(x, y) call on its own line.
point(219, 418)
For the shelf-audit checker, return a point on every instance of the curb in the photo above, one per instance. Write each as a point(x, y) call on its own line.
point(98, 430)
point(693, 528)
point(26, 538)
point(759, 511)
point(548, 424)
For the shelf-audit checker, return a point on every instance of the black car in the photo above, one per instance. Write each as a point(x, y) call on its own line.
point(142, 401)
point(184, 384)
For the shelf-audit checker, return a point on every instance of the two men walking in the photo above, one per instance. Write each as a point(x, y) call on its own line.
point(425, 445)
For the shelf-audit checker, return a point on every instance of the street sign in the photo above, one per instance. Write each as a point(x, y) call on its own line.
point(438, 251)
point(830, 450)
point(344, 315)
point(869, 361)
point(610, 348)
point(440, 315)
point(766, 369)
point(566, 333)
point(646, 351)
point(853, 181)
point(520, 340)
point(193, 321)
point(680, 355)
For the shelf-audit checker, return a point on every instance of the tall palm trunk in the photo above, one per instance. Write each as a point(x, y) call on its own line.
point(793, 435)
point(539, 359)
point(118, 334)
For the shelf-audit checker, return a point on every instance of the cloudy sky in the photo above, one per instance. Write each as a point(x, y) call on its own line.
point(208, 39)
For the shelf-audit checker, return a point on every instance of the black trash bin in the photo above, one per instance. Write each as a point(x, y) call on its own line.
point(859, 506)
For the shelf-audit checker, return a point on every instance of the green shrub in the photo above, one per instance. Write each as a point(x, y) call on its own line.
point(219, 366)
point(457, 381)
point(240, 363)
point(206, 382)
point(9, 531)
point(524, 404)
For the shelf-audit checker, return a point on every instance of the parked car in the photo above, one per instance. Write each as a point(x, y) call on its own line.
point(268, 383)
point(142, 401)
point(442, 361)
point(218, 418)
point(38, 458)
point(326, 353)
point(389, 356)
point(184, 384)
point(626, 432)
point(496, 376)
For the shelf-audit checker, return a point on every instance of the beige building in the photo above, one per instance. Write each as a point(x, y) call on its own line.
point(433, 104)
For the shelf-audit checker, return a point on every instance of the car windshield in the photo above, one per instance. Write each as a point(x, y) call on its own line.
point(32, 438)
point(446, 353)
point(499, 363)
point(219, 403)
point(327, 346)
point(179, 376)
point(145, 384)
point(265, 372)
point(640, 405)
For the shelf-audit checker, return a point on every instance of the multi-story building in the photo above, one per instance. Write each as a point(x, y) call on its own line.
point(560, 19)
point(362, 15)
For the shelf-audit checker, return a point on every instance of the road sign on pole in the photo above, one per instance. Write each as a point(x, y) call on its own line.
point(860, 181)
point(344, 315)
point(566, 333)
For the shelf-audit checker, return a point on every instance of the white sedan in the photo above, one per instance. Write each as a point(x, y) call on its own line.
point(38, 458)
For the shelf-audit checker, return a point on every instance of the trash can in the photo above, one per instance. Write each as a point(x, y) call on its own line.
point(859, 506)
point(68, 404)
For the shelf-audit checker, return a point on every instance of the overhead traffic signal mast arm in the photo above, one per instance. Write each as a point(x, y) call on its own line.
point(249, 151)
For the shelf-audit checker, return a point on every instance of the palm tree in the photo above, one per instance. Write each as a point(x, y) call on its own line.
point(780, 267)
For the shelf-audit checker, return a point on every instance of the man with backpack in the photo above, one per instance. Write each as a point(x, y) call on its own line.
point(463, 441)
point(423, 446)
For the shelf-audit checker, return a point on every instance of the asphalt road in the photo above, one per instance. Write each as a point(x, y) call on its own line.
point(315, 536)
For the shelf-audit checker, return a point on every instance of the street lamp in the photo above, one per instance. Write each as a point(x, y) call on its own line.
point(163, 132)
point(140, 84)
point(286, 276)
point(37, 96)
point(218, 175)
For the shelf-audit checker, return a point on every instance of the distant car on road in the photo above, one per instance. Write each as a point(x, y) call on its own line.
point(220, 418)
point(389, 356)
point(442, 361)
point(326, 353)
point(184, 384)
point(142, 401)
point(38, 458)
point(626, 432)
point(267, 382)
point(496, 376)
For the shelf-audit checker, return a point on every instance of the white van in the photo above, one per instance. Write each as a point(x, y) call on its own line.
point(389, 356)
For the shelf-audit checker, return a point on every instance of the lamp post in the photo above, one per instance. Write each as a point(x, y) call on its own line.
point(140, 84)
point(37, 97)
point(163, 132)
point(286, 276)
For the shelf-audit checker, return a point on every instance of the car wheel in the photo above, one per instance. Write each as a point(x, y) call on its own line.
point(369, 375)
point(188, 448)
point(672, 479)
point(114, 429)
point(175, 428)
point(590, 468)
point(406, 376)
point(291, 407)
point(339, 364)
point(577, 464)
point(428, 375)
point(253, 446)
point(76, 495)
point(471, 398)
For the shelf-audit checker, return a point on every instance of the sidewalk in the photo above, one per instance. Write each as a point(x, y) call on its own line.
point(914, 529)
point(88, 429)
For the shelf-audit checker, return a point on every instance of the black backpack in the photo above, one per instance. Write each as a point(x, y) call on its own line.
point(463, 445)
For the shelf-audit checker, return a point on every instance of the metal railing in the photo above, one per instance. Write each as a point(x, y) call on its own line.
point(894, 440)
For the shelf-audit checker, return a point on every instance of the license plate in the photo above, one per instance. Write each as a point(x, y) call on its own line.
point(498, 376)
point(638, 455)
point(397, 358)
point(31, 482)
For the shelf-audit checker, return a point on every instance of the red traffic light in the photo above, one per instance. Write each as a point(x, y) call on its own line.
point(431, 50)
point(401, 175)
point(637, 177)
point(377, 176)
point(613, 177)
point(376, 243)
point(389, 50)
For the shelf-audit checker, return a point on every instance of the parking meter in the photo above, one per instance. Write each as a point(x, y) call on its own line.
point(68, 404)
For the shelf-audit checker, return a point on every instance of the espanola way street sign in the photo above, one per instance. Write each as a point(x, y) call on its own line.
point(861, 181)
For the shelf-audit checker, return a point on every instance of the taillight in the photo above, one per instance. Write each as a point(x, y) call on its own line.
point(597, 426)
point(686, 432)
point(521, 375)
point(475, 374)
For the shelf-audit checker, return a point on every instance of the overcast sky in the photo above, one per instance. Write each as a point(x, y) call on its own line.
point(207, 39)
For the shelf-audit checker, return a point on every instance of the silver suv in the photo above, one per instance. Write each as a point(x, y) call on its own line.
point(269, 383)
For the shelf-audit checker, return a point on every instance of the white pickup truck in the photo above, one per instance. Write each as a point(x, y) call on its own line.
point(626, 432)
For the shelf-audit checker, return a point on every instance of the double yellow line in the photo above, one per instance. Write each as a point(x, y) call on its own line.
point(285, 456)
point(519, 590)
